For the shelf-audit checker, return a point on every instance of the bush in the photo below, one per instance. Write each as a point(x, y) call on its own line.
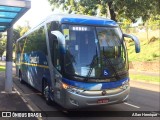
point(154, 55)
point(153, 39)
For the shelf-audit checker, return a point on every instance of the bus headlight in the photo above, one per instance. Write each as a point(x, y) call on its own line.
point(65, 86)
point(71, 88)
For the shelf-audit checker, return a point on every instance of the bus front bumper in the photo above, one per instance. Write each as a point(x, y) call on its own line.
point(95, 98)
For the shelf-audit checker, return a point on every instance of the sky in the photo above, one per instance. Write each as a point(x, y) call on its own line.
point(39, 10)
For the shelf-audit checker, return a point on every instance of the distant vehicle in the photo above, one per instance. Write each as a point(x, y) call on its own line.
point(76, 61)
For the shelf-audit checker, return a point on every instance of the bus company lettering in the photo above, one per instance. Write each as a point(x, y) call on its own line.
point(34, 59)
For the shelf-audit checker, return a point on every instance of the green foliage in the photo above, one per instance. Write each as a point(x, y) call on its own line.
point(154, 22)
point(2, 44)
point(0, 35)
point(17, 33)
point(133, 9)
point(149, 51)
point(2, 68)
point(35, 41)
point(118, 9)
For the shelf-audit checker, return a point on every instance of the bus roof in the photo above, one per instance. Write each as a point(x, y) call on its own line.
point(83, 19)
point(75, 19)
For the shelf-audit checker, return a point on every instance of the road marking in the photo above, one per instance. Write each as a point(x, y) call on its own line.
point(27, 102)
point(24, 100)
point(131, 105)
point(4, 92)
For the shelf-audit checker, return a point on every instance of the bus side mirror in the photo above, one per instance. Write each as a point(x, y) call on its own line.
point(136, 41)
point(59, 36)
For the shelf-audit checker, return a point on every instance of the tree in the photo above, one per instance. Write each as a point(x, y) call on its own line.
point(0, 35)
point(3, 41)
point(118, 9)
point(17, 33)
point(2, 44)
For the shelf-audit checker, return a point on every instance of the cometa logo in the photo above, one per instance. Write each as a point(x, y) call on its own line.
point(34, 60)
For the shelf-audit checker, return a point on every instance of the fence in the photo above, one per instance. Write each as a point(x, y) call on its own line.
point(144, 32)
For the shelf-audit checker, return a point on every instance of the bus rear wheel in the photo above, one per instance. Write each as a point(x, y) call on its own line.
point(46, 92)
point(20, 77)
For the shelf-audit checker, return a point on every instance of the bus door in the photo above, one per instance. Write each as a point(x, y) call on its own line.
point(56, 61)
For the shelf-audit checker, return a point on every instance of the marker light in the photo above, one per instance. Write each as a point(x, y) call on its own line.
point(125, 85)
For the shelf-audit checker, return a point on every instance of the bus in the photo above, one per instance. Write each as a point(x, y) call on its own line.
point(76, 61)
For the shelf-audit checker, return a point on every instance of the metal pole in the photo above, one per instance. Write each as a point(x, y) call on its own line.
point(9, 51)
point(159, 28)
point(147, 31)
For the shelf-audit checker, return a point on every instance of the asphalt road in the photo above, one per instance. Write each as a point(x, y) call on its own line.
point(140, 100)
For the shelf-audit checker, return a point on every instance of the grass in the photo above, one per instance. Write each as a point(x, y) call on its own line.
point(150, 46)
point(149, 50)
point(144, 35)
point(141, 77)
point(2, 68)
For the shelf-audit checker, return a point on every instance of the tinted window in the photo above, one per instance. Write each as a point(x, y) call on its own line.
point(54, 44)
point(36, 41)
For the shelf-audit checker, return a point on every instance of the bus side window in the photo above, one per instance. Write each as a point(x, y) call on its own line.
point(54, 44)
point(55, 52)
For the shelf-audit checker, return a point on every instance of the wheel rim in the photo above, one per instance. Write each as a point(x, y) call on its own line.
point(20, 78)
point(46, 92)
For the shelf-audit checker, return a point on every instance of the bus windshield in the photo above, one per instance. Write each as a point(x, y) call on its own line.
point(92, 50)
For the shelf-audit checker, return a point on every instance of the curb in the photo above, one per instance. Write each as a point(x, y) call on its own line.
point(26, 100)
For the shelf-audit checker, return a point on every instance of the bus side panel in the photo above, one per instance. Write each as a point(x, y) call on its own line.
point(31, 58)
point(33, 73)
point(38, 69)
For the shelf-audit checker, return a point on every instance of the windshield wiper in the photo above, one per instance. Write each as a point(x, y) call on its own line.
point(111, 65)
point(93, 60)
point(91, 68)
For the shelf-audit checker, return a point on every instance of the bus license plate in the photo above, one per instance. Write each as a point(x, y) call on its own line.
point(102, 101)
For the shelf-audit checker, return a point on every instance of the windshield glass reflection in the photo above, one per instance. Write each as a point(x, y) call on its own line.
point(88, 50)
point(80, 49)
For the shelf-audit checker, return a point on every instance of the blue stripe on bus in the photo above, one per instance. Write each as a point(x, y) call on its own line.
point(95, 86)
point(89, 21)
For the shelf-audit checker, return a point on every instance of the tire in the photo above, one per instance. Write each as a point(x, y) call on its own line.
point(46, 92)
point(20, 78)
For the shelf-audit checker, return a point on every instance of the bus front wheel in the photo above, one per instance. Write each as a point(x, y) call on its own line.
point(46, 92)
